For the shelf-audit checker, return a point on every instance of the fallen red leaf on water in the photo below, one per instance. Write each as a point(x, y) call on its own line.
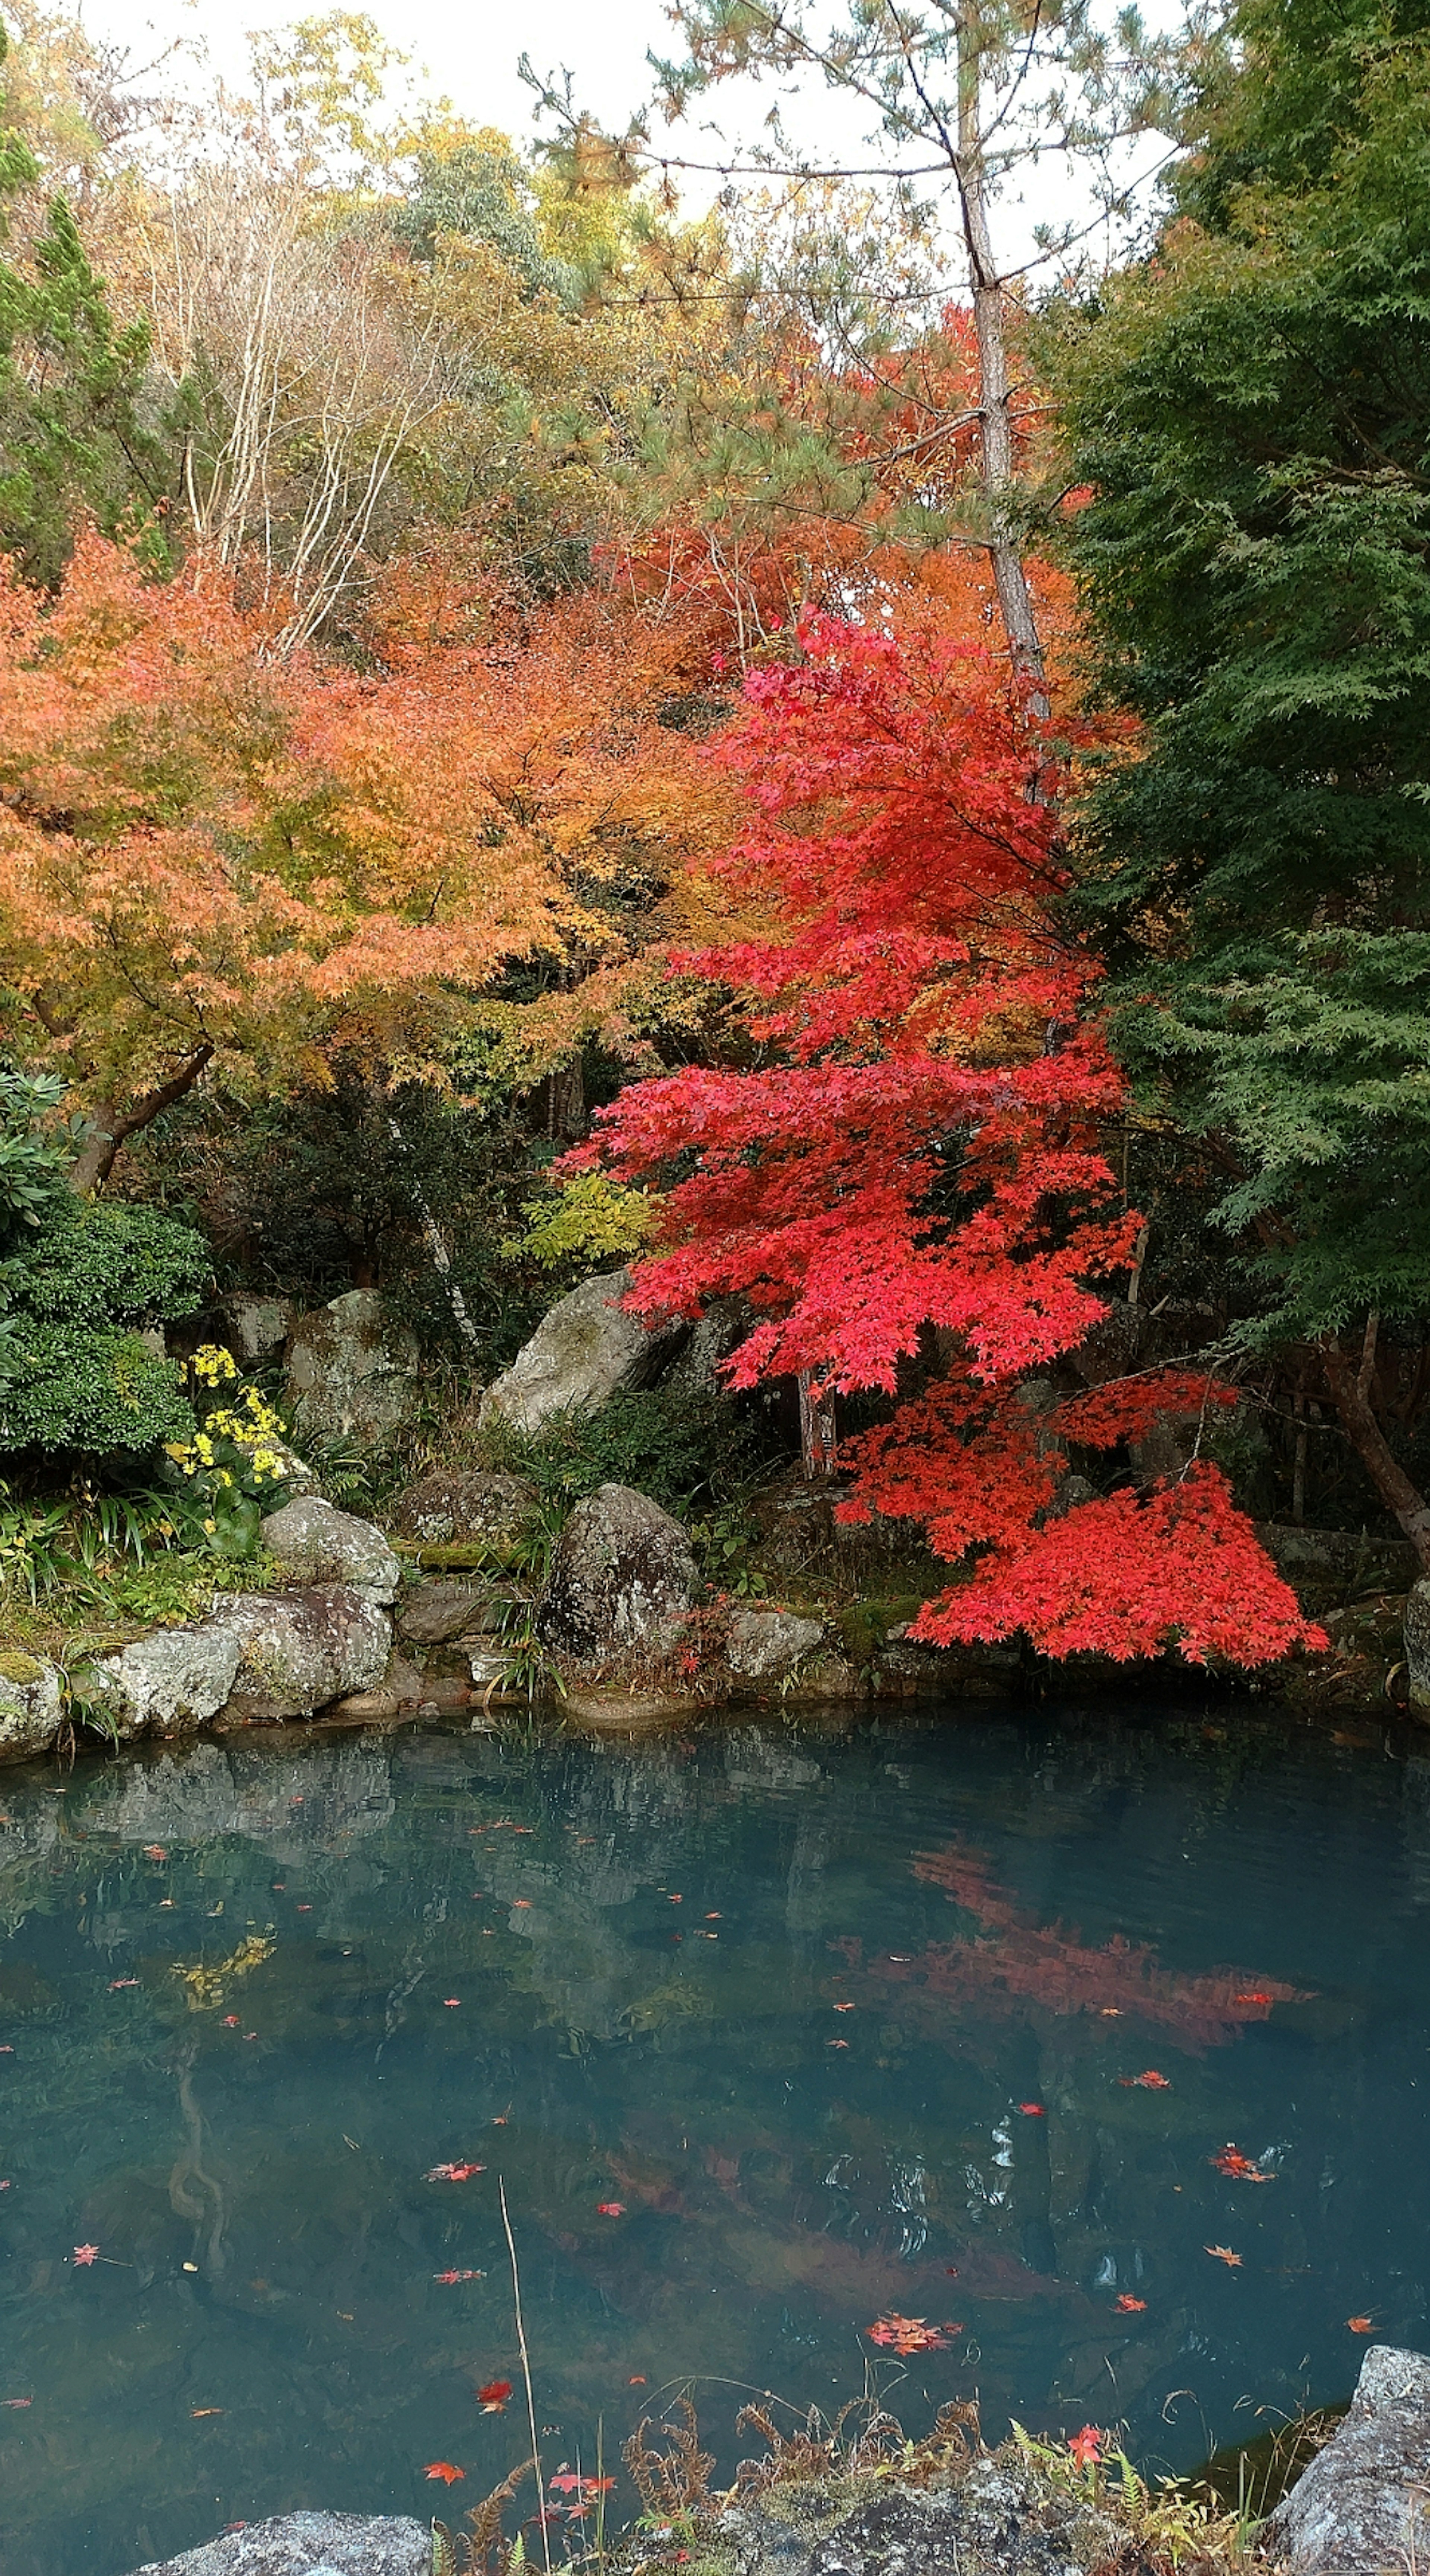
point(714, 1918)
point(230, 2021)
point(1224, 2254)
point(1086, 2446)
point(155, 1851)
point(86, 2254)
point(844, 2007)
point(568, 2482)
point(16, 2401)
point(115, 1983)
point(1149, 2081)
point(451, 2002)
point(444, 2470)
point(906, 2334)
point(453, 2173)
point(521, 1904)
point(836, 2043)
point(1361, 2325)
point(459, 2276)
point(610, 2209)
point(198, 2411)
point(639, 2381)
point(1230, 2160)
point(1127, 2307)
point(1032, 2110)
point(493, 2397)
point(1255, 1997)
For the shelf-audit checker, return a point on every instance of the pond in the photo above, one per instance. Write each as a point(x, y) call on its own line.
point(1097, 2042)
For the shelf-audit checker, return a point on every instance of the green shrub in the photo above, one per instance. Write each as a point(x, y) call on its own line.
point(683, 1446)
point(80, 1281)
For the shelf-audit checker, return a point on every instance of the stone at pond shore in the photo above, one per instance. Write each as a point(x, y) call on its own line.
point(997, 2518)
point(1417, 1648)
point(352, 1374)
point(1363, 2505)
point(583, 1352)
point(621, 1575)
point(310, 1541)
point(299, 1650)
point(432, 1614)
point(764, 1645)
point(170, 1683)
point(464, 1503)
point(31, 1706)
point(310, 2544)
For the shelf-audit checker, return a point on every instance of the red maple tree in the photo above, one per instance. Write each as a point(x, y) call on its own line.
point(909, 1162)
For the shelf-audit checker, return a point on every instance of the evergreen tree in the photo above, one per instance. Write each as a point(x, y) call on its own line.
point(1250, 409)
point(72, 432)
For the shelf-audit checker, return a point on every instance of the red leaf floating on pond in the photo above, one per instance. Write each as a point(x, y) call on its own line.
point(493, 2397)
point(452, 2173)
point(1358, 2325)
point(1128, 2307)
point(1149, 2081)
point(906, 2334)
point(1032, 2110)
point(444, 2470)
point(86, 2254)
point(610, 2208)
point(1231, 2161)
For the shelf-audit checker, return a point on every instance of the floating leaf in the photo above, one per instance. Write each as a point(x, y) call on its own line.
point(85, 2255)
point(906, 2334)
point(1128, 2307)
point(1361, 2325)
point(610, 2209)
point(444, 2470)
point(1224, 2254)
point(492, 2399)
point(1149, 2081)
point(1231, 2161)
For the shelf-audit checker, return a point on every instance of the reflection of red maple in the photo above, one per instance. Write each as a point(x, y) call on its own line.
point(1030, 1963)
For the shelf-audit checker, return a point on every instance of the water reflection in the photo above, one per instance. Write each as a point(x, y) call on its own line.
point(769, 2035)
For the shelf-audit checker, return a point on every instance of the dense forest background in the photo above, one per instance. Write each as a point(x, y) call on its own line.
point(540, 730)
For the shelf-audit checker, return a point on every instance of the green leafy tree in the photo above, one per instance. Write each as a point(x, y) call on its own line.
point(73, 431)
point(1251, 411)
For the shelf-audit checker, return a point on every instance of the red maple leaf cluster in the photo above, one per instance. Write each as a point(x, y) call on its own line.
point(912, 1166)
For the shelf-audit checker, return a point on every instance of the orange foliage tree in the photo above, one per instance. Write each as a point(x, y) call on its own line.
point(214, 859)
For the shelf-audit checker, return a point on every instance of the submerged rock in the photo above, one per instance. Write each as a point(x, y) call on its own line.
point(471, 1503)
point(352, 1373)
point(31, 1706)
point(310, 1541)
point(1364, 2503)
point(764, 1645)
point(299, 1650)
point(170, 1683)
point(309, 2544)
point(621, 1576)
point(583, 1352)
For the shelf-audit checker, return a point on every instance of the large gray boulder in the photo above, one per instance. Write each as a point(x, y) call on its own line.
point(996, 2517)
point(764, 1645)
point(465, 1504)
point(1363, 2505)
point(311, 1541)
point(352, 1374)
point(1417, 1648)
point(31, 1706)
point(583, 1352)
point(433, 1613)
point(300, 1650)
point(310, 2544)
point(170, 1683)
point(621, 1576)
point(256, 1325)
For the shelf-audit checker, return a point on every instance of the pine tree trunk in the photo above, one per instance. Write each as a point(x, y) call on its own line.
point(1015, 600)
point(1349, 1385)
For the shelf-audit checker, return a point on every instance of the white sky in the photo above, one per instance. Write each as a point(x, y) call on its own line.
point(470, 53)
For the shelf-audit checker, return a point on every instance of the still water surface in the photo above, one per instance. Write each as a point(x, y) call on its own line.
point(835, 2021)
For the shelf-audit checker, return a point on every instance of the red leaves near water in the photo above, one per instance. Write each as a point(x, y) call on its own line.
point(459, 2276)
point(84, 2255)
point(917, 1151)
point(1149, 2081)
point(444, 2470)
point(1224, 2254)
point(1086, 2446)
point(1357, 2325)
point(452, 2173)
point(1033, 2110)
point(492, 2399)
point(1230, 2160)
point(610, 2209)
point(1129, 2307)
point(909, 2334)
